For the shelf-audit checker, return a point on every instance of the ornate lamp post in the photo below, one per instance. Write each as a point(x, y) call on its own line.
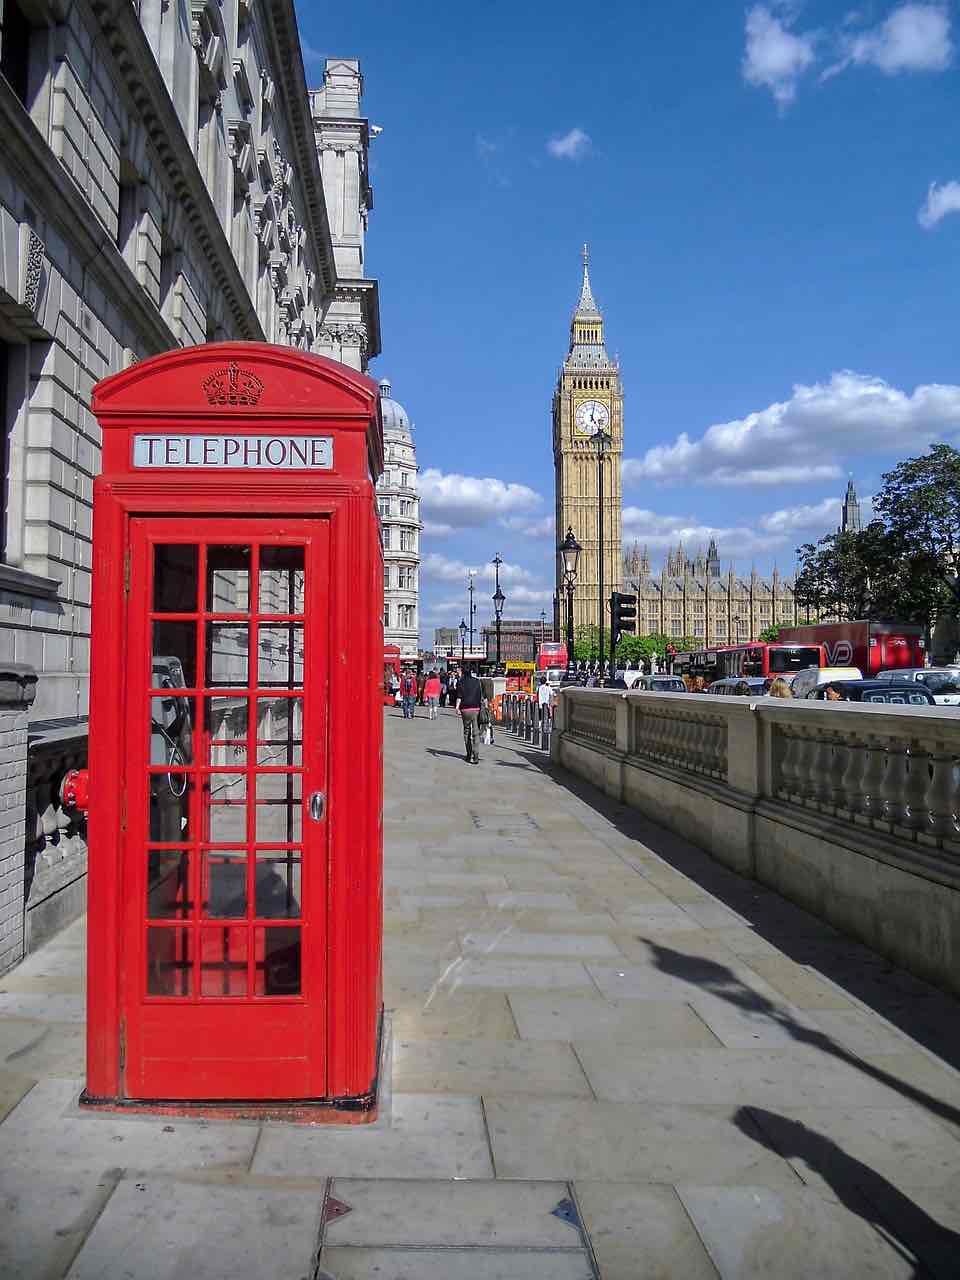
point(498, 600)
point(473, 609)
point(570, 555)
point(463, 637)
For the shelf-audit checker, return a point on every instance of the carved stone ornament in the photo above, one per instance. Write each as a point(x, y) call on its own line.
point(33, 271)
point(232, 386)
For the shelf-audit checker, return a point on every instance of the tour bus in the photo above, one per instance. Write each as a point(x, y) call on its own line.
point(754, 658)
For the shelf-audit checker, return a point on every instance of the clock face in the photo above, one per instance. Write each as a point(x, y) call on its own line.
point(591, 416)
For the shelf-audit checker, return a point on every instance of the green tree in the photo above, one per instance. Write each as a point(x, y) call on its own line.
point(586, 642)
point(919, 505)
point(770, 634)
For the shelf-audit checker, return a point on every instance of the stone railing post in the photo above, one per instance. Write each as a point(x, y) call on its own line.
point(18, 688)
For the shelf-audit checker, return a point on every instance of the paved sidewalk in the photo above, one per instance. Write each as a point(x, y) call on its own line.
point(611, 1058)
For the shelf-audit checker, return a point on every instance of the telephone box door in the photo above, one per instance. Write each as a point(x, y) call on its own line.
point(224, 872)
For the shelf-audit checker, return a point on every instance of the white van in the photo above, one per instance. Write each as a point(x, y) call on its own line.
point(804, 682)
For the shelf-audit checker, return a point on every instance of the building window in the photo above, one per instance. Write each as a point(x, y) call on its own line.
point(698, 628)
point(386, 615)
point(406, 579)
point(383, 506)
point(15, 52)
point(406, 617)
point(387, 538)
point(406, 506)
point(408, 540)
point(676, 629)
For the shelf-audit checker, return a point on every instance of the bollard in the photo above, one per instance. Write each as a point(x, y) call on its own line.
point(546, 727)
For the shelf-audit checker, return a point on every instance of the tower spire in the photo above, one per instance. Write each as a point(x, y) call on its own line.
point(586, 306)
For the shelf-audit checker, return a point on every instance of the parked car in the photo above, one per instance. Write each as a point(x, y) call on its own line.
point(914, 694)
point(655, 683)
point(739, 686)
point(943, 682)
point(805, 682)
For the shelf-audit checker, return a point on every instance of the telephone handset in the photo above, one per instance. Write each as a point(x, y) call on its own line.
point(171, 731)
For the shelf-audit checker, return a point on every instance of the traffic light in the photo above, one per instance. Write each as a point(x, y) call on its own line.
point(623, 617)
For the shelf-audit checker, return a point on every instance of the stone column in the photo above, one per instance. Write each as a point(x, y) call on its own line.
point(18, 687)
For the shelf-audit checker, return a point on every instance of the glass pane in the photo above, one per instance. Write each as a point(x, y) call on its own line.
point(223, 961)
point(227, 655)
point(226, 795)
point(281, 656)
point(174, 655)
point(171, 731)
point(228, 579)
point(281, 580)
point(278, 884)
point(277, 970)
point(168, 962)
point(174, 579)
point(226, 726)
point(279, 805)
point(170, 807)
point(167, 884)
point(280, 731)
point(225, 883)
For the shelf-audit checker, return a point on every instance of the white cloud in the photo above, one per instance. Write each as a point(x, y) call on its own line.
point(661, 531)
point(915, 37)
point(542, 528)
point(775, 58)
point(469, 501)
point(817, 515)
point(940, 201)
point(803, 439)
point(440, 568)
point(435, 530)
point(574, 145)
point(527, 595)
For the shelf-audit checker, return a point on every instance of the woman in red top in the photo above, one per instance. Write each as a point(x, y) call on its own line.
point(431, 693)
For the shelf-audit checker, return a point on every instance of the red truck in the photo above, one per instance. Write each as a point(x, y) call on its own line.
point(871, 646)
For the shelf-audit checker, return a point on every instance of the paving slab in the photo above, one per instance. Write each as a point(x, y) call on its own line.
point(641, 1232)
point(36, 1048)
point(385, 1212)
point(510, 940)
point(653, 1024)
point(752, 1233)
point(426, 1136)
point(455, 1015)
point(155, 1229)
point(627, 1142)
point(498, 973)
point(514, 1067)
point(442, 1264)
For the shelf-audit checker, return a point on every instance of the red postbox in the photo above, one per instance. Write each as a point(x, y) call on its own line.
point(235, 889)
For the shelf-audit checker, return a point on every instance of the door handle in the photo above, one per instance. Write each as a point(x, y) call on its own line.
point(318, 806)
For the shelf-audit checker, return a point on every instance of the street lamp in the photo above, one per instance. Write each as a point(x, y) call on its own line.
point(601, 439)
point(463, 637)
point(570, 556)
point(473, 608)
point(543, 626)
point(498, 600)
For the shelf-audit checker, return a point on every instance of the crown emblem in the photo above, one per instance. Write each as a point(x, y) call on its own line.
point(232, 385)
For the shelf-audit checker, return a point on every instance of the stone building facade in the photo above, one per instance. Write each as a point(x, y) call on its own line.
point(400, 524)
point(166, 178)
point(588, 395)
point(695, 598)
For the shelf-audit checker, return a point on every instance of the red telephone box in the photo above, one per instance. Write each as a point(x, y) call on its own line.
point(235, 889)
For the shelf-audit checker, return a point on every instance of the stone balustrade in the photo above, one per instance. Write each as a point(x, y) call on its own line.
point(851, 810)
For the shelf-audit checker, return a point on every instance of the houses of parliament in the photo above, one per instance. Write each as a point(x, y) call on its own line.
point(689, 596)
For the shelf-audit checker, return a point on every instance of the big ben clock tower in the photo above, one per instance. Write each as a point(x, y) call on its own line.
point(588, 400)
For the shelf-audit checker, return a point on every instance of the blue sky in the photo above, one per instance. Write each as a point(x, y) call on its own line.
point(771, 194)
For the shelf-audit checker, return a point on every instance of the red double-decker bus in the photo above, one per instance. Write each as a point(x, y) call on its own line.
point(552, 653)
point(754, 658)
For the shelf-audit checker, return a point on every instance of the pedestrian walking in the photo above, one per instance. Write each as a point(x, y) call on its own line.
point(431, 692)
point(444, 681)
point(544, 697)
point(469, 702)
point(408, 693)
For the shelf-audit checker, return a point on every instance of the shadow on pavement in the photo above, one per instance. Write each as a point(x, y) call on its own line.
point(719, 980)
point(860, 1190)
point(923, 1012)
